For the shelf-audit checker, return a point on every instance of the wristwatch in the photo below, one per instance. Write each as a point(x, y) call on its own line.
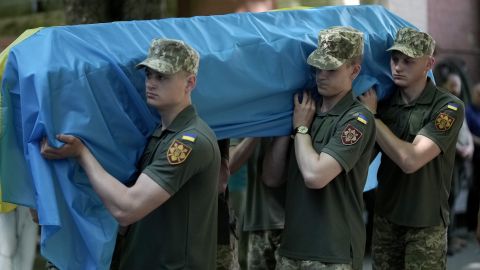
point(301, 130)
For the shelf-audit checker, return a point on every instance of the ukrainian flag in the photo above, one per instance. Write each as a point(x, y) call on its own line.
point(452, 106)
point(362, 119)
point(73, 79)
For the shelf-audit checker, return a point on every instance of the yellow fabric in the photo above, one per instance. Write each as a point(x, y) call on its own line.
point(292, 8)
point(4, 206)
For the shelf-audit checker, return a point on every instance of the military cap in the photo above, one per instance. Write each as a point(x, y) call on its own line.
point(169, 56)
point(413, 43)
point(336, 45)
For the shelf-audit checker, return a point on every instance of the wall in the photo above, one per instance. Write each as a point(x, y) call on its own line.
point(188, 8)
point(414, 11)
point(455, 27)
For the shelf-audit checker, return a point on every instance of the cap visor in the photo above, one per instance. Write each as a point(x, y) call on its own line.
point(403, 49)
point(158, 65)
point(322, 61)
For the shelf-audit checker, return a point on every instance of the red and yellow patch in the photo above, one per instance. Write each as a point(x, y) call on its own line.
point(351, 135)
point(444, 121)
point(178, 152)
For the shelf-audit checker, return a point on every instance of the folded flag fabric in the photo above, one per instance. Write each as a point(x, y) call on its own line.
point(5, 119)
point(82, 80)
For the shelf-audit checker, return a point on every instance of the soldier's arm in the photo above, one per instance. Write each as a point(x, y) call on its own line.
point(317, 169)
point(408, 156)
point(126, 204)
point(240, 153)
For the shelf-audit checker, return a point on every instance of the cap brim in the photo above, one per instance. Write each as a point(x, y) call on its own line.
point(403, 49)
point(322, 61)
point(157, 65)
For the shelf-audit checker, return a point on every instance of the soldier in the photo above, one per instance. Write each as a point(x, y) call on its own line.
point(173, 203)
point(264, 213)
point(417, 129)
point(327, 170)
point(264, 206)
point(227, 244)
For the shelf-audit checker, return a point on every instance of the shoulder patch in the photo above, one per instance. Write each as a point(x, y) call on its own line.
point(362, 118)
point(189, 137)
point(351, 135)
point(444, 121)
point(452, 106)
point(178, 152)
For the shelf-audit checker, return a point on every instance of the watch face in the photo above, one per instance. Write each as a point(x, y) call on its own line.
point(302, 129)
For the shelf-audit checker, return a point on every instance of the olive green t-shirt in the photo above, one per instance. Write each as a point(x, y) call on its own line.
point(326, 224)
point(264, 206)
point(420, 199)
point(183, 159)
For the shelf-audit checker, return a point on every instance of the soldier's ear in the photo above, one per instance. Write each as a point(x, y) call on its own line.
point(430, 62)
point(355, 71)
point(191, 82)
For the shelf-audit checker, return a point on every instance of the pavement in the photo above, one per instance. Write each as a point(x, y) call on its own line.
point(468, 258)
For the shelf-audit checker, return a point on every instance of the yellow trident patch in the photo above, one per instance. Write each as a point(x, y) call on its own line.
point(178, 152)
point(444, 122)
point(350, 135)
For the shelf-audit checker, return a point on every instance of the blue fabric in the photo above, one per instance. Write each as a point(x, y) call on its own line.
point(473, 119)
point(372, 173)
point(472, 116)
point(82, 80)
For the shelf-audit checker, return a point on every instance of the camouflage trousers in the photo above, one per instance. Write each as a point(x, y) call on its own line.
point(262, 249)
point(402, 247)
point(227, 258)
point(284, 263)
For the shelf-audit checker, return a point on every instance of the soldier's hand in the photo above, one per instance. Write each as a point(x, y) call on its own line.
point(73, 147)
point(304, 111)
point(369, 100)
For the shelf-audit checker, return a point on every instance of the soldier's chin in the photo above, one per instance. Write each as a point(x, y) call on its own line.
point(322, 90)
point(151, 102)
point(400, 82)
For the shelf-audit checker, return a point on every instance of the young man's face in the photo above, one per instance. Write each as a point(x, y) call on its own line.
point(334, 82)
point(406, 71)
point(165, 90)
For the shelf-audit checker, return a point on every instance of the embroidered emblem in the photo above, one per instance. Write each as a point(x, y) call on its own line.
point(351, 135)
point(444, 121)
point(362, 119)
point(189, 137)
point(178, 152)
point(452, 106)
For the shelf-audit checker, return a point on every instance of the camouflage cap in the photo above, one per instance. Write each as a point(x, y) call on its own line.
point(413, 43)
point(336, 45)
point(169, 56)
